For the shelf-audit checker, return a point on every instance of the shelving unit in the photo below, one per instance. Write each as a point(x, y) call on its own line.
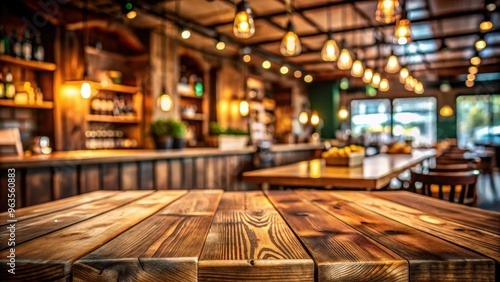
point(119, 88)
point(112, 119)
point(47, 105)
point(33, 65)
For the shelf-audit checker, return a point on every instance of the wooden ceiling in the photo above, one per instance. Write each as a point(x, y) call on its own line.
point(455, 22)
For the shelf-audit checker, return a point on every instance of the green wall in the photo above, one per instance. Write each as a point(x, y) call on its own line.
point(324, 98)
point(446, 127)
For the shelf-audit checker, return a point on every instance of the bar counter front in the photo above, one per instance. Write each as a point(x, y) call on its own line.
point(212, 235)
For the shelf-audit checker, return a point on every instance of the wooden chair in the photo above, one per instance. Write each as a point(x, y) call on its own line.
point(447, 185)
point(453, 167)
point(10, 137)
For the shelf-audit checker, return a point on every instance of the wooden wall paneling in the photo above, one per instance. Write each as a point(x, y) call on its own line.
point(65, 182)
point(146, 177)
point(176, 174)
point(234, 168)
point(38, 186)
point(210, 168)
point(278, 159)
point(4, 189)
point(246, 165)
point(161, 175)
point(110, 177)
point(88, 178)
point(188, 174)
point(129, 176)
point(201, 172)
point(222, 173)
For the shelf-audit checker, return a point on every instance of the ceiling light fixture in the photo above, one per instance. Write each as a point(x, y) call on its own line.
point(486, 24)
point(330, 51)
point(392, 64)
point(476, 60)
point(357, 69)
point(480, 43)
point(243, 24)
point(473, 69)
point(85, 88)
point(388, 11)
point(402, 33)
point(290, 44)
point(220, 45)
point(367, 76)
point(384, 84)
point(164, 101)
point(471, 76)
point(409, 83)
point(266, 64)
point(284, 70)
point(247, 58)
point(297, 74)
point(419, 88)
point(469, 83)
point(308, 78)
point(185, 33)
point(129, 10)
point(345, 59)
point(375, 80)
point(446, 111)
point(403, 74)
point(490, 5)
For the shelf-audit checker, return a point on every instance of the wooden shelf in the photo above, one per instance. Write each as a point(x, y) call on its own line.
point(115, 56)
point(34, 65)
point(111, 87)
point(198, 117)
point(112, 119)
point(191, 96)
point(10, 103)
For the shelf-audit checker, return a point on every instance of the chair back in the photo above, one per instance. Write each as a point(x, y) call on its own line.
point(458, 187)
point(453, 167)
point(10, 137)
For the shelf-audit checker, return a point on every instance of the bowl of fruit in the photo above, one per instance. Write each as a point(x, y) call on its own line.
point(347, 156)
point(398, 148)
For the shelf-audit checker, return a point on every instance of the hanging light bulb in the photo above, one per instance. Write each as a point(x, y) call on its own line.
point(375, 80)
point(247, 58)
point(392, 64)
point(403, 74)
point(402, 33)
point(446, 111)
point(345, 59)
point(290, 44)
point(314, 119)
point(243, 24)
point(480, 44)
point(303, 117)
point(165, 101)
point(343, 113)
point(486, 24)
point(419, 88)
point(384, 84)
point(284, 70)
point(297, 74)
point(129, 10)
point(266, 64)
point(473, 69)
point(330, 51)
point(471, 76)
point(244, 108)
point(185, 33)
point(220, 45)
point(85, 90)
point(367, 76)
point(476, 60)
point(357, 69)
point(469, 83)
point(490, 5)
point(388, 11)
point(409, 83)
point(308, 78)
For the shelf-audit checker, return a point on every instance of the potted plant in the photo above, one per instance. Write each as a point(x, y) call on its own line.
point(229, 138)
point(178, 130)
point(161, 131)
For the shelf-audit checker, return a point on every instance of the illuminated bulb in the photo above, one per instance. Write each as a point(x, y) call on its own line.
point(403, 74)
point(303, 118)
point(485, 25)
point(402, 33)
point(357, 69)
point(419, 88)
point(367, 76)
point(476, 60)
point(469, 83)
point(376, 80)
point(243, 24)
point(131, 15)
point(314, 119)
point(383, 85)
point(330, 51)
point(85, 90)
point(284, 70)
point(446, 111)
point(408, 83)
point(247, 58)
point(266, 64)
point(388, 11)
point(392, 64)
point(345, 60)
point(491, 6)
point(297, 74)
point(244, 108)
point(290, 44)
point(165, 102)
point(413, 82)
point(308, 78)
point(220, 45)
point(343, 113)
point(471, 76)
point(480, 44)
point(185, 34)
point(473, 69)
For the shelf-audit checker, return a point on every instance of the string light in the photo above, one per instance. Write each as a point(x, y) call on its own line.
point(375, 80)
point(473, 69)
point(297, 74)
point(185, 33)
point(308, 78)
point(392, 64)
point(367, 76)
point(446, 111)
point(284, 70)
point(345, 60)
point(247, 58)
point(266, 64)
point(384, 84)
point(403, 74)
point(357, 69)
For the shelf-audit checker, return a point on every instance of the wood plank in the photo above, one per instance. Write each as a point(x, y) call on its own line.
point(210, 173)
point(161, 175)
point(146, 175)
point(4, 191)
point(63, 247)
point(248, 240)
point(340, 252)
point(129, 176)
point(473, 217)
point(201, 173)
point(89, 178)
point(110, 177)
point(176, 174)
point(163, 247)
point(188, 174)
point(64, 182)
point(41, 225)
point(428, 256)
point(38, 188)
point(54, 206)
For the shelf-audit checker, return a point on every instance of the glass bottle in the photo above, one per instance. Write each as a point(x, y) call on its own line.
point(38, 51)
point(4, 42)
point(10, 89)
point(16, 44)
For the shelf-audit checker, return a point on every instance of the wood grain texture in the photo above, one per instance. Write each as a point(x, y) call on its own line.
point(429, 257)
point(146, 181)
point(64, 182)
point(89, 178)
point(163, 247)
point(110, 177)
point(473, 217)
point(161, 175)
point(40, 191)
point(129, 179)
point(340, 252)
point(4, 192)
point(61, 248)
point(44, 224)
point(248, 240)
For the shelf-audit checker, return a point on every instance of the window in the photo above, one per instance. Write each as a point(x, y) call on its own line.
point(478, 120)
point(415, 118)
point(372, 117)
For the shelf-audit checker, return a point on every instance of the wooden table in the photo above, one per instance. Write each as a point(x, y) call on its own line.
point(209, 235)
point(375, 173)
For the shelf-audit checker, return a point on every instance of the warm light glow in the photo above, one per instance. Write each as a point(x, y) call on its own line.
point(357, 69)
point(414, 82)
point(243, 24)
point(480, 44)
point(314, 119)
point(220, 45)
point(247, 58)
point(419, 88)
point(367, 76)
point(409, 83)
point(244, 108)
point(85, 90)
point(344, 83)
point(388, 11)
point(345, 60)
point(284, 70)
point(131, 15)
point(330, 51)
point(476, 60)
point(297, 74)
point(471, 76)
point(469, 83)
point(185, 34)
point(290, 44)
point(375, 80)
point(402, 33)
point(491, 6)
point(303, 118)
point(343, 113)
point(308, 78)
point(165, 102)
point(315, 168)
point(403, 74)
point(384, 84)
point(485, 25)
point(446, 111)
point(392, 64)
point(266, 64)
point(473, 69)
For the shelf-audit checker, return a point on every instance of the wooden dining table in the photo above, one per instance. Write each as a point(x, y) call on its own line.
point(376, 172)
point(211, 235)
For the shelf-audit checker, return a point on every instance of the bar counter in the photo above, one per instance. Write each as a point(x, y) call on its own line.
point(44, 178)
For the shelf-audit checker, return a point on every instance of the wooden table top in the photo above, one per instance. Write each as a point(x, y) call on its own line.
point(375, 173)
point(211, 235)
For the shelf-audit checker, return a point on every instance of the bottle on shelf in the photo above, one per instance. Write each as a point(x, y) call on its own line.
point(4, 42)
point(10, 89)
point(95, 105)
point(27, 47)
point(38, 51)
point(16, 44)
point(39, 96)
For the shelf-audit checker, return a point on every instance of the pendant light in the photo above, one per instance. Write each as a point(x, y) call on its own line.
point(419, 88)
point(393, 65)
point(446, 111)
point(383, 85)
point(243, 24)
point(290, 44)
point(345, 59)
point(357, 69)
point(480, 43)
point(402, 33)
point(476, 60)
point(388, 11)
point(376, 80)
point(367, 75)
point(85, 89)
point(164, 101)
point(403, 74)
point(486, 24)
point(330, 51)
